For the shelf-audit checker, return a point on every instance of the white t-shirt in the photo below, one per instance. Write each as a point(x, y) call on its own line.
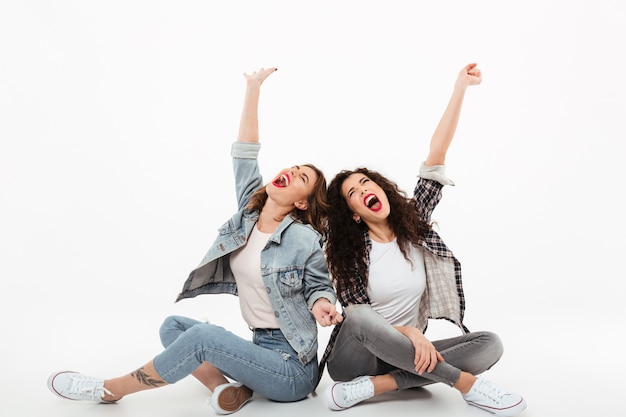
point(395, 286)
point(245, 263)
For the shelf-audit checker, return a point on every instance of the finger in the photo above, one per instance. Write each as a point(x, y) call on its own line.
point(433, 361)
point(425, 362)
point(418, 367)
point(422, 367)
point(422, 362)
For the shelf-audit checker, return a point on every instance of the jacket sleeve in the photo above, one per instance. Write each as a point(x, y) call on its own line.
point(246, 170)
point(316, 278)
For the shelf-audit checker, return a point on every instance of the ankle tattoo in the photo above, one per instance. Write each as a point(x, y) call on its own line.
point(145, 379)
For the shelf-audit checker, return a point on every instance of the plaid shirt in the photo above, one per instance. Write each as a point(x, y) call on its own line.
point(443, 297)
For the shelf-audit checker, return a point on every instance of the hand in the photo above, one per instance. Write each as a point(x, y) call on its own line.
point(426, 355)
point(469, 75)
point(257, 77)
point(325, 313)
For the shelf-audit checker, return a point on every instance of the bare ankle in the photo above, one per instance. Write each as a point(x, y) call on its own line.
point(465, 382)
point(109, 393)
point(384, 383)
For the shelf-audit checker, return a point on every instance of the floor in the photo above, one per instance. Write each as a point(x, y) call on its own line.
point(544, 369)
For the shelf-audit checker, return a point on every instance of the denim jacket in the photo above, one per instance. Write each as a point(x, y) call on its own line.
point(293, 266)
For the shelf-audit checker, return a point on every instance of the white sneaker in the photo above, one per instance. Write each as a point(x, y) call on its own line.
point(228, 398)
point(490, 398)
point(342, 395)
point(75, 386)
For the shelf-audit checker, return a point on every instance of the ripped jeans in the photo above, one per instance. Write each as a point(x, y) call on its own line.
point(368, 345)
point(267, 365)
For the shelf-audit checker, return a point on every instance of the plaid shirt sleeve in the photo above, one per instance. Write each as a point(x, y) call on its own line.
point(445, 298)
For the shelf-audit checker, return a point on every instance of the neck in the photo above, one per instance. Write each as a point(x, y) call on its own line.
point(267, 224)
point(271, 216)
point(381, 233)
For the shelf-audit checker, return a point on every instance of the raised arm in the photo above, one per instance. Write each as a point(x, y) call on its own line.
point(249, 123)
point(442, 137)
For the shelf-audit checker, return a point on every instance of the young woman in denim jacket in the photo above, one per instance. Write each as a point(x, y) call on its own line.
point(392, 273)
point(270, 255)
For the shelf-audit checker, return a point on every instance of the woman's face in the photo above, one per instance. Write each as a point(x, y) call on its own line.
point(365, 198)
point(292, 186)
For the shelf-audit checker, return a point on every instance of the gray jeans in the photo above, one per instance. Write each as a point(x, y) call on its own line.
point(368, 345)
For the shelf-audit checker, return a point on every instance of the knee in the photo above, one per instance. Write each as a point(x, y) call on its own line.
point(361, 316)
point(170, 330)
point(492, 350)
point(494, 345)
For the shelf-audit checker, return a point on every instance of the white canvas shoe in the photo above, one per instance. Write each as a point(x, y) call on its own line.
point(228, 398)
point(342, 395)
point(492, 399)
point(75, 386)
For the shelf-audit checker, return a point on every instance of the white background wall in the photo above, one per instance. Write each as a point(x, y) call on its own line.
point(116, 120)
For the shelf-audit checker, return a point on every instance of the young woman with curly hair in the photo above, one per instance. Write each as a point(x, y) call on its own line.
point(393, 273)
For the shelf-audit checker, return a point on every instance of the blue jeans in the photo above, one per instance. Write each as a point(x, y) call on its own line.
point(368, 345)
point(268, 364)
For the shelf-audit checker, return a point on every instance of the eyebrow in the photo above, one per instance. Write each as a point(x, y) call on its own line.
point(363, 178)
point(302, 174)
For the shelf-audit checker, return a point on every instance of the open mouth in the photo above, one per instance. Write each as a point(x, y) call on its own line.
point(372, 202)
point(282, 181)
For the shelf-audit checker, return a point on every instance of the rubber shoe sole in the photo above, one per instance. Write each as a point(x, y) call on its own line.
point(228, 398)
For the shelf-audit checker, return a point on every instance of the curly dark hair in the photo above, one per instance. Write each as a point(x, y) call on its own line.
point(345, 242)
point(317, 209)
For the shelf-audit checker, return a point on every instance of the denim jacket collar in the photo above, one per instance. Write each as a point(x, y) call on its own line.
point(251, 218)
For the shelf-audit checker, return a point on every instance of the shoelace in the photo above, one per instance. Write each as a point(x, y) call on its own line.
point(488, 390)
point(82, 385)
point(356, 391)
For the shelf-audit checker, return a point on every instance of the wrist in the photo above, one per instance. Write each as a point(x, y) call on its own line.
point(253, 85)
point(322, 299)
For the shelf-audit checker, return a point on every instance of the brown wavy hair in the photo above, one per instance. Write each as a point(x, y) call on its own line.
point(345, 242)
point(317, 209)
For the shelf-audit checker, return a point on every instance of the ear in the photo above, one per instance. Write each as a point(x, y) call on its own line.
point(301, 205)
point(356, 218)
